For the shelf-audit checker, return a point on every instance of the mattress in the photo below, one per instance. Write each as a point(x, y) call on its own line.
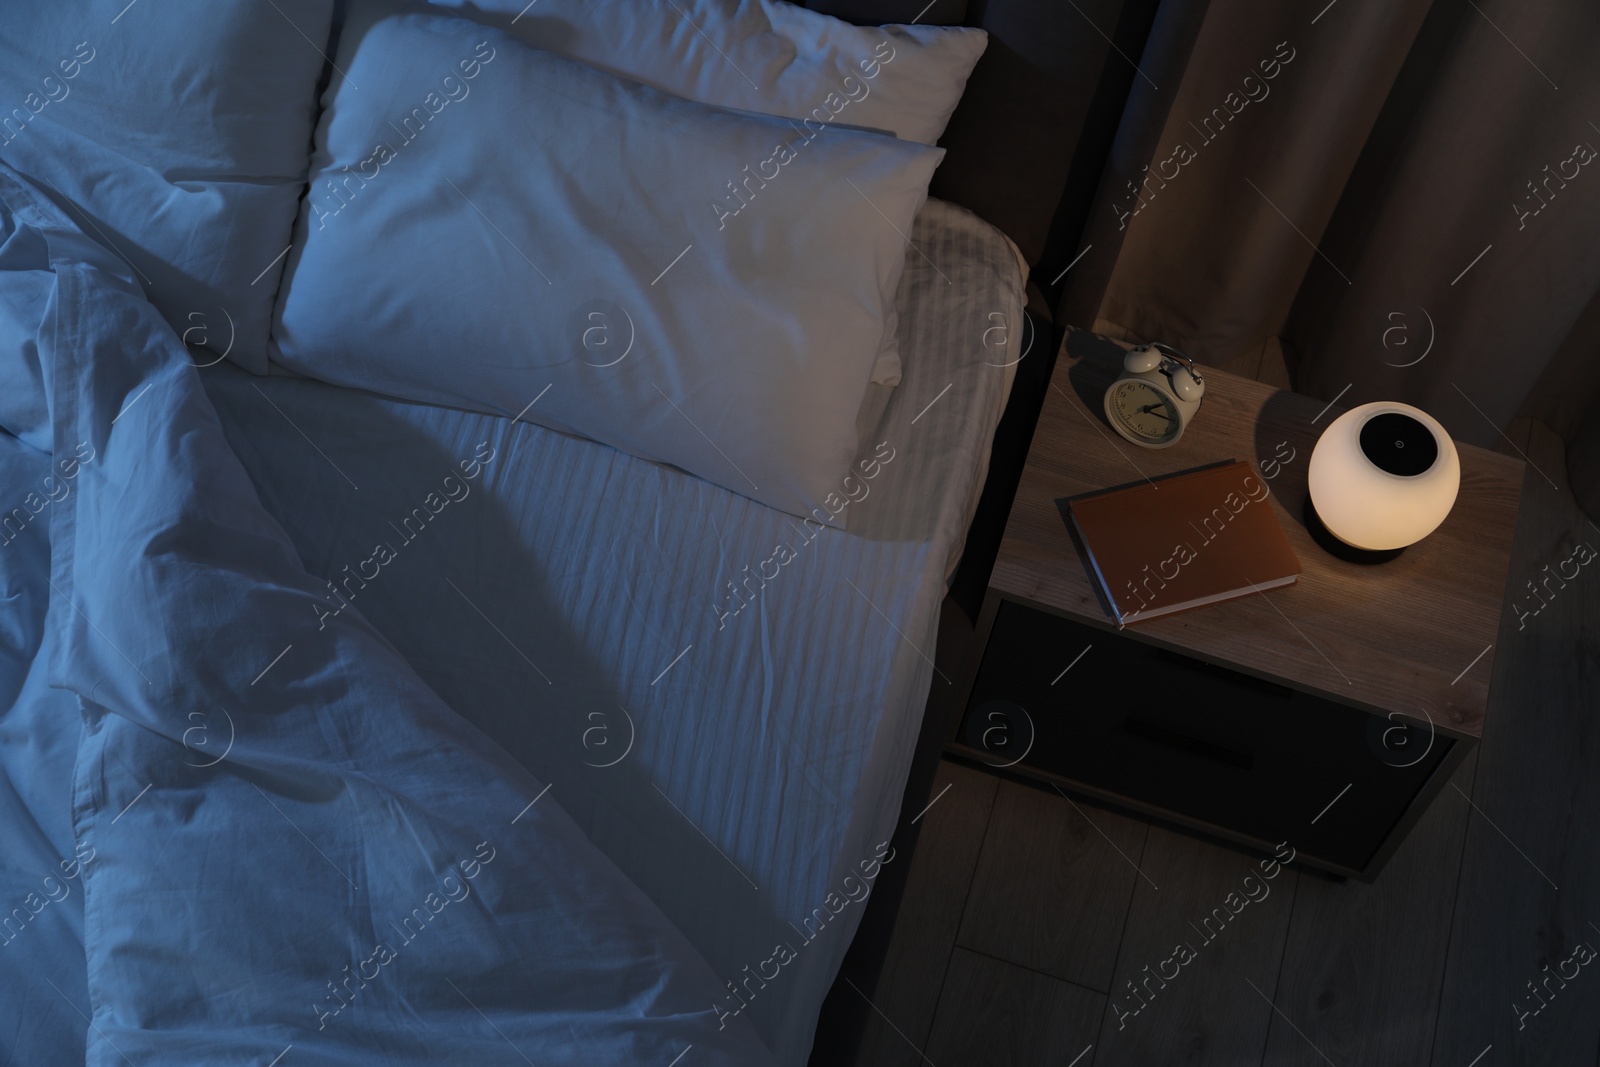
point(724, 697)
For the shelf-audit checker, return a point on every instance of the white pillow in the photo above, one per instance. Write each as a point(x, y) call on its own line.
point(763, 56)
point(486, 220)
point(766, 57)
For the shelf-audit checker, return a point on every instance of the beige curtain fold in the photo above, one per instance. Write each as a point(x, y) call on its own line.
point(1407, 192)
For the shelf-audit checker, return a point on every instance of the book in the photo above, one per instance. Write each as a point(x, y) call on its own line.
point(1184, 541)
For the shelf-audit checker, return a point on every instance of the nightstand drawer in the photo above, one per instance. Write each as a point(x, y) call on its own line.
point(1206, 745)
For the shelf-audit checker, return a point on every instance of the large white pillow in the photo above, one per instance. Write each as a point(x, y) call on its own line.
point(765, 56)
point(490, 225)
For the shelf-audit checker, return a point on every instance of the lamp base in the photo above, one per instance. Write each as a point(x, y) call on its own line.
point(1331, 544)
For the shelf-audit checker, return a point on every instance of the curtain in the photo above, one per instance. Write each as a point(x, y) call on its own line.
point(1408, 194)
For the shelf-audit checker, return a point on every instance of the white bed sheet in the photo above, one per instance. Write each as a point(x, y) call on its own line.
point(738, 758)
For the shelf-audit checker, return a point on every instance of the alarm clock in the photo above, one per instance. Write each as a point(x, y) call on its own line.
point(1156, 395)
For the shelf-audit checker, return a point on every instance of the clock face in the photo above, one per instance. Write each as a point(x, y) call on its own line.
point(1143, 413)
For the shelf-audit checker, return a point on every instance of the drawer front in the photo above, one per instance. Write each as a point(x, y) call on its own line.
point(1178, 735)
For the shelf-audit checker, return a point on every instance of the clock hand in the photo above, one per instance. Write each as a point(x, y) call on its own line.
point(1151, 408)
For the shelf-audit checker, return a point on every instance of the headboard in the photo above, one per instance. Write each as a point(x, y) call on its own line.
point(1029, 142)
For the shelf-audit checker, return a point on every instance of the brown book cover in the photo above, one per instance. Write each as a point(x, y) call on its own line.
point(1184, 541)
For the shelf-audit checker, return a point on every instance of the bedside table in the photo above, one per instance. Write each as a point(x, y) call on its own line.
point(1327, 713)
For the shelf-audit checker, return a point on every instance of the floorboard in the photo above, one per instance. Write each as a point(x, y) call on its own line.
point(1364, 964)
point(925, 929)
point(1214, 1011)
point(1536, 802)
point(1052, 884)
point(996, 1014)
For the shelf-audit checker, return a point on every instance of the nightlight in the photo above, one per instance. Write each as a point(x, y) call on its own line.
point(1382, 476)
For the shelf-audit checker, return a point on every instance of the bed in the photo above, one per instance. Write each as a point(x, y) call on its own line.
point(697, 717)
point(572, 609)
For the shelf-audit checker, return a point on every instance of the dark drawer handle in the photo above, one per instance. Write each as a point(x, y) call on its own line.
point(1163, 736)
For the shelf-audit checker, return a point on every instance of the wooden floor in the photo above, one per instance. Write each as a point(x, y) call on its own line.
point(1031, 915)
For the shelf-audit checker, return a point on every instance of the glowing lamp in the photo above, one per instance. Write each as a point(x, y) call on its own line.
point(1382, 476)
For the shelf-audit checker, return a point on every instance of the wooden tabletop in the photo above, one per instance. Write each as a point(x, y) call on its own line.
point(1412, 635)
